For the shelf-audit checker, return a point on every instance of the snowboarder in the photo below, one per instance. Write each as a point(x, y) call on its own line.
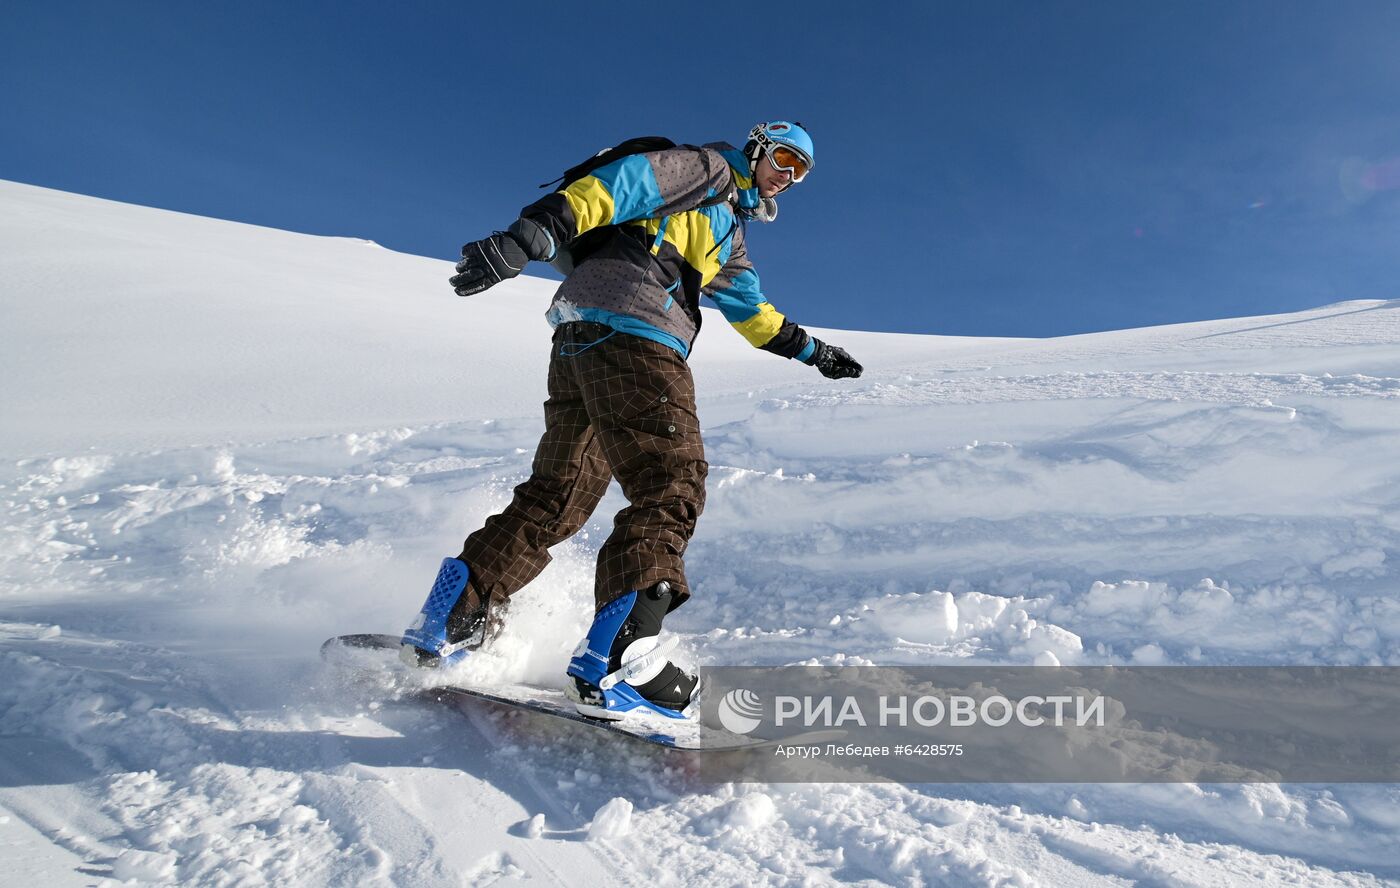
point(640, 238)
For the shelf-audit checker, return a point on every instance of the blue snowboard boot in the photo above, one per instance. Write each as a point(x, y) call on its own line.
point(452, 622)
point(622, 666)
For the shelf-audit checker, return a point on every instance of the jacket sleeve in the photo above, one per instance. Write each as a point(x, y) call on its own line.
point(740, 299)
point(638, 186)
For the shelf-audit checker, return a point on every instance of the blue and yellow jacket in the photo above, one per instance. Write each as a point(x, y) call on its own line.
point(645, 249)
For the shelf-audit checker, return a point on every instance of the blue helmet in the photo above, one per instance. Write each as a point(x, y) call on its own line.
point(764, 137)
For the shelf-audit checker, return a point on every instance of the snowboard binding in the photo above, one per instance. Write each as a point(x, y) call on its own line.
point(447, 629)
point(622, 666)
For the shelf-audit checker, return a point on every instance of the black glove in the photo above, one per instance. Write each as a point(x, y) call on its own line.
point(834, 362)
point(485, 263)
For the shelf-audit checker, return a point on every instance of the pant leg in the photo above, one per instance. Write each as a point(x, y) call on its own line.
point(640, 399)
point(569, 475)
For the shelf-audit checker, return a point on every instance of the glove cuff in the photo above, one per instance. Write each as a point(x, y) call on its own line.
point(533, 239)
point(812, 353)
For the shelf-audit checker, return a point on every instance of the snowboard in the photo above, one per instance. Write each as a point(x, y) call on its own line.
point(680, 734)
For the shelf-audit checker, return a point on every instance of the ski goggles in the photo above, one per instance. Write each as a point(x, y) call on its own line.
point(789, 160)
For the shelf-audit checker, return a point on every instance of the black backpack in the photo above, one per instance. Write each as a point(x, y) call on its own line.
point(575, 251)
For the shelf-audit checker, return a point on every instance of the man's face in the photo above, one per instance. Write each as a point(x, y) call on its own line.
point(770, 180)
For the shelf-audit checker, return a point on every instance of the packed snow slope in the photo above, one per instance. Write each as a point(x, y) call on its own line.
point(136, 327)
point(223, 443)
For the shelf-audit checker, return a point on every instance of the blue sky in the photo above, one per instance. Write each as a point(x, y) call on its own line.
point(1019, 169)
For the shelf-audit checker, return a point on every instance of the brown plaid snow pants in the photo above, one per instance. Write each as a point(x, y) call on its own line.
point(619, 407)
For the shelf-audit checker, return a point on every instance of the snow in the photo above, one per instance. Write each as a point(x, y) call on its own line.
point(222, 444)
point(613, 821)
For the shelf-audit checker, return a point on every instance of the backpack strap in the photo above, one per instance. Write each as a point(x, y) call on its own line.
point(660, 235)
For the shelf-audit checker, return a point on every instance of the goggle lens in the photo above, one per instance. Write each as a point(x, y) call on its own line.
point(784, 158)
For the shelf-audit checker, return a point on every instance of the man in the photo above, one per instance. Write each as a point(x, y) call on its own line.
point(641, 239)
